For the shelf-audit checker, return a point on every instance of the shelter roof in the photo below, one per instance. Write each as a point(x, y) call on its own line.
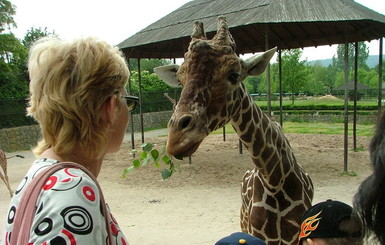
point(286, 24)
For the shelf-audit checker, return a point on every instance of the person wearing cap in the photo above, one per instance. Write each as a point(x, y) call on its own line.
point(240, 238)
point(330, 223)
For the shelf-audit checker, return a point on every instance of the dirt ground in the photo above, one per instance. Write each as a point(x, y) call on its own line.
point(200, 203)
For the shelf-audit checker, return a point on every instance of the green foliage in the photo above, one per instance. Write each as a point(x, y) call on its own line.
point(314, 128)
point(363, 54)
point(13, 71)
point(34, 34)
point(151, 155)
point(254, 84)
point(294, 72)
point(150, 82)
point(12, 113)
point(320, 107)
point(7, 10)
point(147, 64)
point(349, 173)
point(13, 63)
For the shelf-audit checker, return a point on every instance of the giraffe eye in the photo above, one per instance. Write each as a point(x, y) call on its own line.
point(233, 77)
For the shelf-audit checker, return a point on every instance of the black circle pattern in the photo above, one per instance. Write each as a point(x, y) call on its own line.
point(11, 214)
point(58, 241)
point(46, 224)
point(77, 220)
point(21, 186)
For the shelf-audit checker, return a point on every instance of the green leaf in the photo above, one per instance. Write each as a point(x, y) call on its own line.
point(134, 151)
point(147, 147)
point(155, 154)
point(136, 163)
point(143, 155)
point(126, 171)
point(166, 174)
point(146, 161)
point(166, 159)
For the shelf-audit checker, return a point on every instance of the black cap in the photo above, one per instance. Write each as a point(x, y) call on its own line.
point(240, 238)
point(322, 220)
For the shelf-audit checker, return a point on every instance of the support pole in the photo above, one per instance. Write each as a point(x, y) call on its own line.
point(280, 87)
point(346, 72)
point(380, 77)
point(131, 116)
point(268, 87)
point(140, 100)
point(355, 97)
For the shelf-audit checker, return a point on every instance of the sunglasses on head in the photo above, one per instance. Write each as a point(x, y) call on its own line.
point(131, 102)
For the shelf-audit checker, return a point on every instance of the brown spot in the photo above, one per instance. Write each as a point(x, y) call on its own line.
point(246, 136)
point(292, 186)
point(294, 216)
point(246, 118)
point(271, 226)
point(258, 217)
point(270, 201)
point(281, 200)
point(276, 174)
point(213, 125)
point(258, 142)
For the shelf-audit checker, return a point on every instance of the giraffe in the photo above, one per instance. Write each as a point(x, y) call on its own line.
point(4, 175)
point(277, 191)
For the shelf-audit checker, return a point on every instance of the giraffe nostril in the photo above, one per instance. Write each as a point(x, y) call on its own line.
point(185, 122)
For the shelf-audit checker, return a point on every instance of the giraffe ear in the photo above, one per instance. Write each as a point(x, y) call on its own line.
point(168, 74)
point(257, 64)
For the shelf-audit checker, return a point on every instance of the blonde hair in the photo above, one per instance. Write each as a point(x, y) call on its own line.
point(70, 82)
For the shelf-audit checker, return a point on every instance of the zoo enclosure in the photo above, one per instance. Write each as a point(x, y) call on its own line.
point(13, 111)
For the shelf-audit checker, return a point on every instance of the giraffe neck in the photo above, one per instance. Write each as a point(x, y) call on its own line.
point(263, 138)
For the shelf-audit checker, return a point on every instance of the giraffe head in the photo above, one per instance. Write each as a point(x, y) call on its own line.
point(211, 76)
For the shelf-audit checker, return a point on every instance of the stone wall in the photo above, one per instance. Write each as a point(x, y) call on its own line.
point(26, 137)
point(20, 138)
point(151, 120)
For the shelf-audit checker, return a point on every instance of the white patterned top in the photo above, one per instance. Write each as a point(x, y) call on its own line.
point(69, 210)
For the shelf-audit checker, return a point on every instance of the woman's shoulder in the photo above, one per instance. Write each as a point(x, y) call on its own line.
point(67, 171)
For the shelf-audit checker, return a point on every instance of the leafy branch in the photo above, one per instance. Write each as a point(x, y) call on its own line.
point(151, 155)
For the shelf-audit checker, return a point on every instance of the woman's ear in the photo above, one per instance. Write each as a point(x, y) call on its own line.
point(108, 110)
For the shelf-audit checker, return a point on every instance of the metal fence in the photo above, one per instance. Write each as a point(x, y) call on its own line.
point(13, 111)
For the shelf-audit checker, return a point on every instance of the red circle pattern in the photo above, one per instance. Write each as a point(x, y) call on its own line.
point(89, 193)
point(50, 183)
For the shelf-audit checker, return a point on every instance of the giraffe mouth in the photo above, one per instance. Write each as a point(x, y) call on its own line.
point(183, 150)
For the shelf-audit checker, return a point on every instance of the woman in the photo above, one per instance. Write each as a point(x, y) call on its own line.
point(78, 96)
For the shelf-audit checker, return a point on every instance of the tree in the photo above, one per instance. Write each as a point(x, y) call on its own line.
point(252, 84)
point(316, 84)
point(7, 10)
point(294, 72)
point(363, 54)
point(150, 82)
point(13, 56)
point(34, 34)
point(147, 64)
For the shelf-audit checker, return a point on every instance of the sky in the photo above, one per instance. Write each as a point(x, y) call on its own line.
point(116, 20)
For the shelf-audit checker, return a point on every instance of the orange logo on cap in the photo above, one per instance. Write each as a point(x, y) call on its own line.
point(309, 225)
